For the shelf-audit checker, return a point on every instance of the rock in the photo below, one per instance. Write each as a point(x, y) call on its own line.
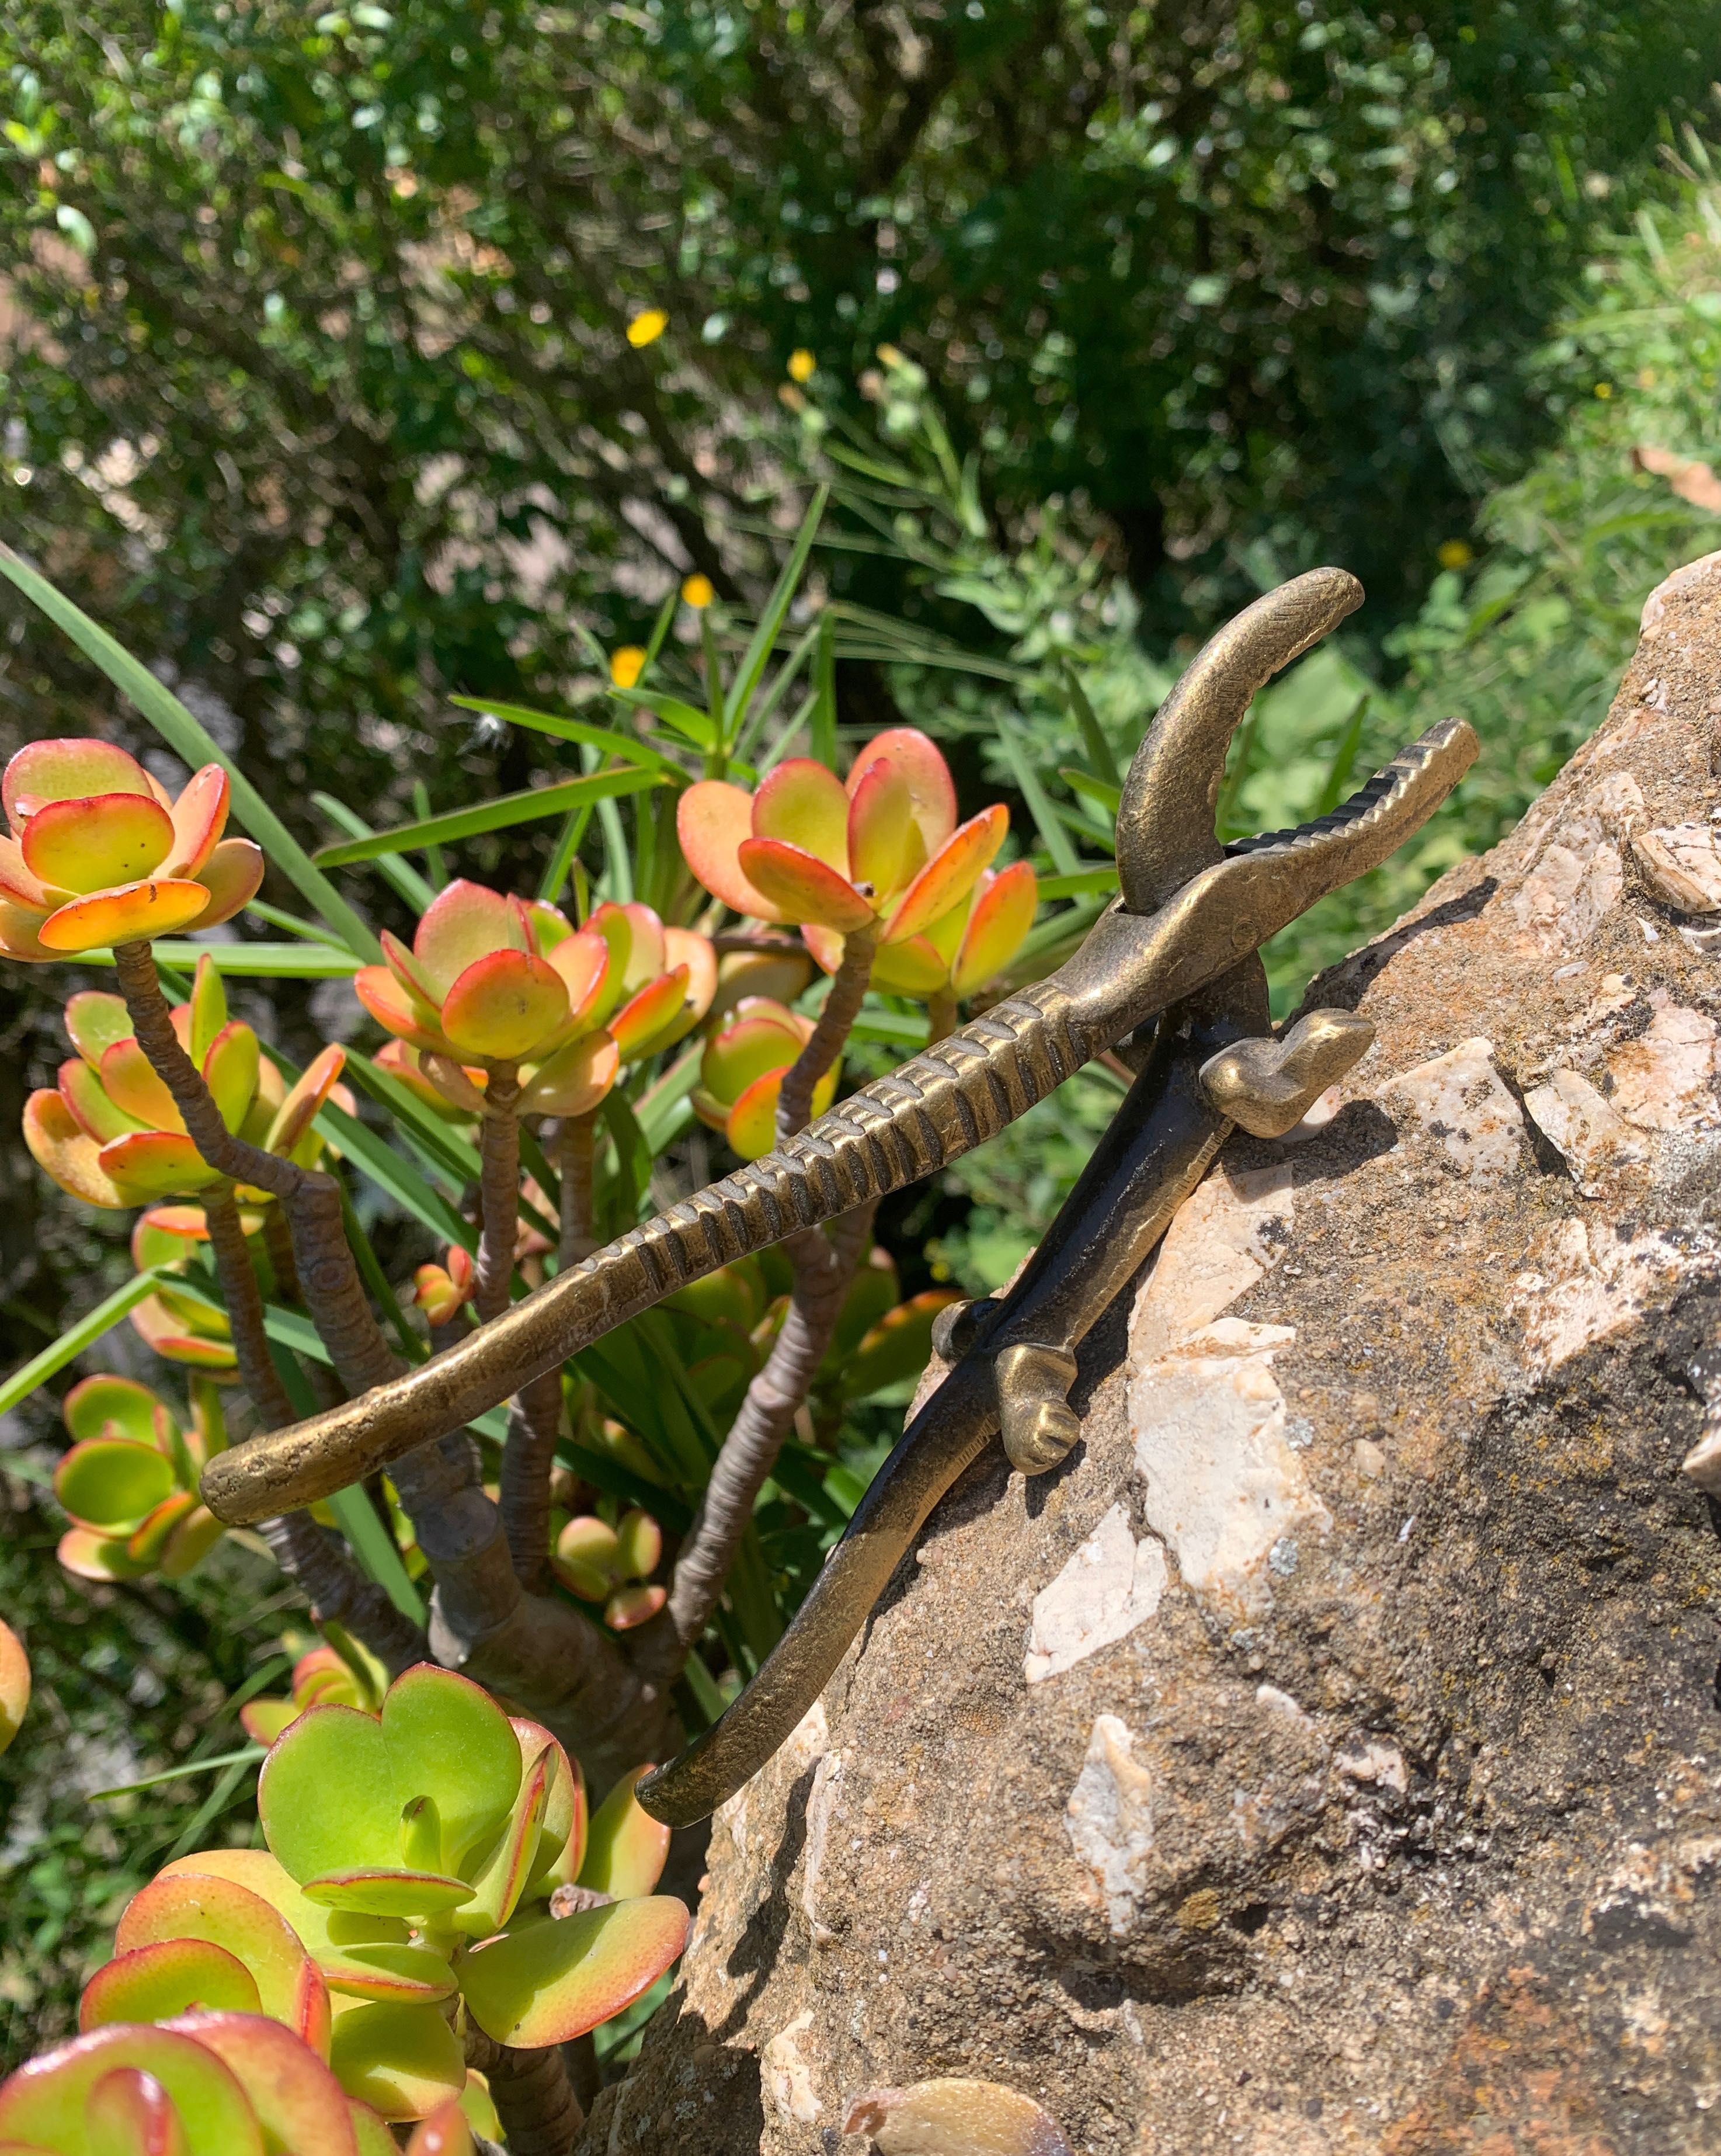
point(1327, 1759)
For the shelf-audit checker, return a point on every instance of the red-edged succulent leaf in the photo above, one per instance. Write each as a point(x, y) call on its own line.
point(289, 1986)
point(395, 1010)
point(575, 1079)
point(636, 949)
point(146, 1165)
point(551, 1980)
point(166, 1234)
point(199, 819)
point(464, 923)
point(378, 1889)
point(131, 1082)
point(583, 961)
point(912, 967)
point(447, 1738)
point(93, 844)
point(19, 939)
point(503, 1004)
point(950, 875)
point(593, 1545)
point(207, 1012)
point(68, 770)
point(88, 1554)
point(230, 1072)
point(458, 1086)
point(1003, 913)
point(686, 947)
point(625, 1846)
point(326, 1797)
point(299, 1110)
point(436, 1293)
point(15, 1689)
point(146, 1541)
point(231, 878)
point(107, 1406)
point(129, 2113)
point(445, 2133)
point(629, 1607)
point(170, 1336)
point(63, 1150)
point(373, 2137)
point(771, 976)
point(501, 1879)
point(885, 847)
point(92, 1110)
point(190, 1542)
point(168, 1976)
point(932, 792)
point(43, 2104)
point(561, 1837)
point(404, 2061)
point(401, 1063)
point(803, 802)
point(411, 975)
point(639, 1541)
point(635, 1028)
point(128, 913)
point(751, 1124)
point(94, 1021)
point(112, 1483)
point(801, 888)
point(547, 925)
point(19, 882)
point(299, 2103)
point(761, 1037)
point(263, 1720)
point(713, 820)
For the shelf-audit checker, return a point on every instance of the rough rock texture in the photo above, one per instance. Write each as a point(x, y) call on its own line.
point(1329, 1757)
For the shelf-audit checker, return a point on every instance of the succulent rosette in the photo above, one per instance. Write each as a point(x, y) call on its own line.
point(963, 949)
point(741, 1074)
point(129, 1484)
point(494, 981)
point(612, 1565)
point(98, 853)
point(882, 851)
point(109, 1132)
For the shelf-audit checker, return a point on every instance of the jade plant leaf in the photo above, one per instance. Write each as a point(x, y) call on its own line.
point(289, 1986)
point(552, 1979)
point(404, 2061)
point(297, 2101)
point(625, 1846)
point(44, 2103)
point(154, 1983)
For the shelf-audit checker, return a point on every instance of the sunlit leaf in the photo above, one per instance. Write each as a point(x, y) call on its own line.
point(551, 1980)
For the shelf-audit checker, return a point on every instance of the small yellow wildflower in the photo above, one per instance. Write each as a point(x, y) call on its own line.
point(890, 354)
point(699, 592)
point(627, 666)
point(646, 328)
point(1454, 554)
point(1604, 390)
point(803, 366)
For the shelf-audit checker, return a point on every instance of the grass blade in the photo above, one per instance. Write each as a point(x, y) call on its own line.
point(629, 747)
point(763, 640)
point(192, 743)
point(71, 1342)
point(277, 962)
point(1052, 835)
point(401, 876)
point(180, 1773)
point(496, 815)
point(1103, 762)
point(1079, 883)
point(374, 1547)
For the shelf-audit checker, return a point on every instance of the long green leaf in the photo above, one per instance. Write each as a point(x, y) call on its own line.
point(71, 1342)
point(274, 961)
point(1052, 834)
point(675, 711)
point(193, 742)
point(396, 1177)
point(401, 876)
point(1094, 740)
point(763, 640)
point(457, 1159)
point(374, 1547)
point(1078, 883)
point(629, 747)
point(180, 1773)
point(496, 815)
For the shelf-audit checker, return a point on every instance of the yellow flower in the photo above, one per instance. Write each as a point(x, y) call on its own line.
point(1454, 554)
point(699, 592)
point(1604, 390)
point(627, 666)
point(890, 356)
point(646, 328)
point(802, 365)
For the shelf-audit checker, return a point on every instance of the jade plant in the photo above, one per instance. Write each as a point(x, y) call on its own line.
point(409, 1891)
point(129, 1484)
point(14, 1684)
point(544, 1057)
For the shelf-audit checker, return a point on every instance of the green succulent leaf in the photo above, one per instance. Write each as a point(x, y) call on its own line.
point(553, 1979)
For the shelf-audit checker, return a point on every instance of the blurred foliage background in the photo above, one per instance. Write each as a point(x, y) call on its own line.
point(316, 387)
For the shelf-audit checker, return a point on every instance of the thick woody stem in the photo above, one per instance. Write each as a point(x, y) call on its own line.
point(328, 1277)
point(841, 1009)
point(576, 1151)
point(534, 2098)
point(528, 1455)
point(823, 1269)
point(499, 1192)
point(338, 1593)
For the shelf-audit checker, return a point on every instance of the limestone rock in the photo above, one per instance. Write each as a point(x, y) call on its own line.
point(1327, 1759)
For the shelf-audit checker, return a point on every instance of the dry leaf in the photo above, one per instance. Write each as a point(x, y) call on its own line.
point(956, 2119)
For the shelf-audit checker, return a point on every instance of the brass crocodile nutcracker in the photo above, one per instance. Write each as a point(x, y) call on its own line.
point(1170, 975)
